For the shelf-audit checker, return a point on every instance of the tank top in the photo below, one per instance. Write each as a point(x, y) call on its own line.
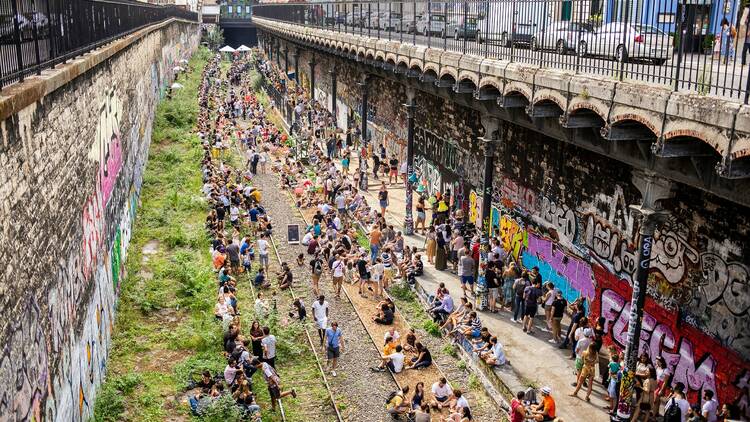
point(514, 415)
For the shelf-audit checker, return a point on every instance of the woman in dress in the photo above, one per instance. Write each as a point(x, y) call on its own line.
point(431, 245)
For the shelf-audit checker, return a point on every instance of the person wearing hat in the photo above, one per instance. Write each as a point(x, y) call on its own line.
point(544, 411)
point(581, 346)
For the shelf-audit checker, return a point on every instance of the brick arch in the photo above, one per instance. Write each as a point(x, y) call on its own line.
point(361, 50)
point(415, 64)
point(448, 70)
point(638, 118)
point(585, 105)
point(431, 66)
point(696, 134)
point(379, 55)
point(518, 88)
point(489, 81)
point(473, 77)
point(390, 57)
point(403, 61)
point(546, 94)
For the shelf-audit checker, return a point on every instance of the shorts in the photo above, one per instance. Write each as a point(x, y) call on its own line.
point(420, 216)
point(338, 280)
point(234, 263)
point(530, 310)
point(264, 260)
point(467, 279)
point(475, 333)
point(333, 352)
point(384, 204)
point(454, 255)
point(388, 273)
point(254, 224)
point(588, 371)
point(493, 292)
point(274, 392)
point(441, 399)
point(322, 323)
point(393, 172)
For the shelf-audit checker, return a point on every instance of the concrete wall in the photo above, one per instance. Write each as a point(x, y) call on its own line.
point(566, 210)
point(71, 166)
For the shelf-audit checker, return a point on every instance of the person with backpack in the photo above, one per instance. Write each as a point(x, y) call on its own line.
point(316, 269)
point(396, 403)
point(677, 407)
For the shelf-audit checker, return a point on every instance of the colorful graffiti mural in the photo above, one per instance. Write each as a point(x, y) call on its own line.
point(694, 358)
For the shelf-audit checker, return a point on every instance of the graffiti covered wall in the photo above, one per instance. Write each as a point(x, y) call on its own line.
point(567, 211)
point(75, 161)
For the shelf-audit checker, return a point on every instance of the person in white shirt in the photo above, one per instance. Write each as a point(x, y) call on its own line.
point(678, 399)
point(263, 246)
point(320, 315)
point(377, 275)
point(442, 392)
point(392, 333)
point(269, 347)
point(307, 238)
point(710, 406)
point(338, 267)
point(394, 361)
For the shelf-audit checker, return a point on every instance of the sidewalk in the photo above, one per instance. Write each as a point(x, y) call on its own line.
point(529, 355)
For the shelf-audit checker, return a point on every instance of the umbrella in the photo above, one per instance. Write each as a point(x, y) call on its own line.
point(178, 69)
point(226, 49)
point(243, 47)
point(176, 86)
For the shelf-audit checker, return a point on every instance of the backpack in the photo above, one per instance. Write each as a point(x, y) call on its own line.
point(672, 413)
point(318, 269)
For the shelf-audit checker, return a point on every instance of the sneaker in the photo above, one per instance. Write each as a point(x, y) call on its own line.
point(333, 373)
point(512, 320)
point(294, 393)
point(552, 340)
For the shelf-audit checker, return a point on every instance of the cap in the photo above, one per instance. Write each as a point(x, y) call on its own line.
point(546, 390)
point(588, 332)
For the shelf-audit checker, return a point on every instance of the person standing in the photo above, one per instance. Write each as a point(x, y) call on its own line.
point(383, 198)
point(269, 347)
point(338, 267)
point(531, 296)
point(334, 343)
point(746, 46)
point(274, 383)
point(393, 170)
point(320, 315)
point(263, 247)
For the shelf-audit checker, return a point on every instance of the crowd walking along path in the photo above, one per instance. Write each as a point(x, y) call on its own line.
point(366, 306)
point(529, 354)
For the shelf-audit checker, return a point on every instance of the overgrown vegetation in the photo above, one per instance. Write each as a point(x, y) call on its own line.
point(165, 329)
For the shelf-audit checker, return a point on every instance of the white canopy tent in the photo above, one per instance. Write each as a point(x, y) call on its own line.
point(227, 49)
point(243, 48)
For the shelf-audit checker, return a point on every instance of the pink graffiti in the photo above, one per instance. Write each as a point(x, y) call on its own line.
point(109, 165)
point(658, 340)
point(93, 240)
point(576, 271)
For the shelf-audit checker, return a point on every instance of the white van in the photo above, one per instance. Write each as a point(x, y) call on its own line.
point(515, 22)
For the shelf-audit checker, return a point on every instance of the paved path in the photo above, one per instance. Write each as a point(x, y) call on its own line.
point(529, 354)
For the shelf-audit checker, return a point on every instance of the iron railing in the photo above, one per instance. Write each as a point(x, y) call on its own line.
point(695, 46)
point(39, 34)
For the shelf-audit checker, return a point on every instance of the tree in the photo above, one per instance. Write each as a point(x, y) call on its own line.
point(215, 38)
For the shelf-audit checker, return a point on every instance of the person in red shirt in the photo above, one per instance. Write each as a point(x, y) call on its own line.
point(517, 410)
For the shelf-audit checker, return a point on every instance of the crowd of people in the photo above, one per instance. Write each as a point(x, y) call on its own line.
point(351, 240)
point(236, 244)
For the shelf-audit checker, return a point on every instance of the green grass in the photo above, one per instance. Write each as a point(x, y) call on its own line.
point(165, 329)
point(166, 334)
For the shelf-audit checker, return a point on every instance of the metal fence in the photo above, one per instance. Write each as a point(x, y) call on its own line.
point(690, 45)
point(39, 34)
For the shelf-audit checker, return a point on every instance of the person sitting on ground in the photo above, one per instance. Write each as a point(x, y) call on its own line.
point(462, 415)
point(393, 361)
point(442, 393)
point(544, 411)
point(396, 404)
point(260, 279)
point(410, 341)
point(440, 313)
point(385, 316)
point(206, 382)
point(423, 358)
point(298, 310)
point(495, 356)
point(459, 402)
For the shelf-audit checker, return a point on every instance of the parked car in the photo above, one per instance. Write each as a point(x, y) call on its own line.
point(623, 41)
point(513, 22)
point(560, 36)
point(457, 28)
point(431, 24)
point(390, 21)
point(410, 23)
